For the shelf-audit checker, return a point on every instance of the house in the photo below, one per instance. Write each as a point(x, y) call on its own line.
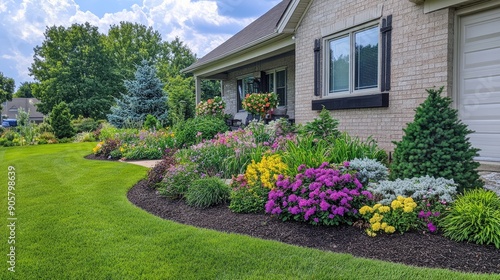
point(369, 63)
point(10, 109)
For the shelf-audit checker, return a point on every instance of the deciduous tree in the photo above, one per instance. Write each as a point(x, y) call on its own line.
point(6, 89)
point(73, 66)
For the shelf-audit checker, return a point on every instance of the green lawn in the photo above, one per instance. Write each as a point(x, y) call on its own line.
point(75, 222)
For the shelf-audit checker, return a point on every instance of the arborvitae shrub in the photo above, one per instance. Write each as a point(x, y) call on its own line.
point(60, 120)
point(436, 144)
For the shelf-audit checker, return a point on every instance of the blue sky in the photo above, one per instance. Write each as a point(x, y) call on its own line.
point(201, 24)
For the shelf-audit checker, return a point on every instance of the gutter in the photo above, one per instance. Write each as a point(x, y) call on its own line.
point(235, 51)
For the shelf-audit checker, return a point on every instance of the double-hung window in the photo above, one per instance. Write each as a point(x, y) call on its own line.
point(353, 62)
point(246, 86)
point(276, 82)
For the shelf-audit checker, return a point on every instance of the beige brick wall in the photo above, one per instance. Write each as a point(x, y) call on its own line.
point(422, 47)
point(286, 60)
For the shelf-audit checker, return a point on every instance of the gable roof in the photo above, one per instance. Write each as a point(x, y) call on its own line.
point(260, 30)
point(10, 108)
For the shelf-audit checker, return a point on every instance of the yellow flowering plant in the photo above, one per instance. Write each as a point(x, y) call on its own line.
point(265, 173)
point(250, 190)
point(399, 216)
point(260, 103)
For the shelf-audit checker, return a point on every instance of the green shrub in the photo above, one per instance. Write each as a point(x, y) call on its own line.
point(474, 217)
point(47, 138)
point(85, 137)
point(84, 124)
point(194, 130)
point(45, 126)
point(10, 134)
point(151, 122)
point(246, 199)
point(157, 173)
point(207, 192)
point(60, 120)
point(107, 147)
point(436, 144)
point(322, 126)
point(177, 179)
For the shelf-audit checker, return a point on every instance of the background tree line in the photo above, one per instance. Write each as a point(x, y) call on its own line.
point(87, 70)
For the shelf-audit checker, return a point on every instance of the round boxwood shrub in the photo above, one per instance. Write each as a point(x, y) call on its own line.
point(474, 217)
point(194, 130)
point(206, 192)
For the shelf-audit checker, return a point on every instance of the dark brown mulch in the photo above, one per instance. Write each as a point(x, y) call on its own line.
point(417, 249)
point(94, 157)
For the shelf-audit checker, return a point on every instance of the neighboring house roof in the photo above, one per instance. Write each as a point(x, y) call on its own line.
point(262, 28)
point(10, 108)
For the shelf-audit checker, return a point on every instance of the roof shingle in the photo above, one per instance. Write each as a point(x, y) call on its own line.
point(259, 29)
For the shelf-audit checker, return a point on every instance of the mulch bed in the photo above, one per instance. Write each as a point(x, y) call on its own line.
point(412, 248)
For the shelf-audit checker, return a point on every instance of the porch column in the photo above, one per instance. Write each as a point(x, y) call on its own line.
point(197, 82)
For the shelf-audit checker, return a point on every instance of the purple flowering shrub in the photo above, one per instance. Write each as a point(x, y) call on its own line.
point(321, 196)
point(431, 213)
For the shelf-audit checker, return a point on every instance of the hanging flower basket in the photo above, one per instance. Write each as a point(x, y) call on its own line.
point(260, 103)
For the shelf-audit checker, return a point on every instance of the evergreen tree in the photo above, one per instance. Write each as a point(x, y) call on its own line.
point(60, 120)
point(436, 144)
point(144, 96)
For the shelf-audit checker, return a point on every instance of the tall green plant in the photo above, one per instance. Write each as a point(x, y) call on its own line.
point(475, 216)
point(436, 144)
point(322, 126)
point(60, 120)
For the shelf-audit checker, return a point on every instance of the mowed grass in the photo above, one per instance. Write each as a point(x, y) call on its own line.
point(75, 222)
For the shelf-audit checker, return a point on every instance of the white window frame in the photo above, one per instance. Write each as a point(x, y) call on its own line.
point(326, 62)
point(273, 72)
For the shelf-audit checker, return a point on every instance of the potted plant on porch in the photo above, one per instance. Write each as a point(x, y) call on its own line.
point(260, 104)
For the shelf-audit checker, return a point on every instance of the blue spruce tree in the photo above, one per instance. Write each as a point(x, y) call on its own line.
point(145, 96)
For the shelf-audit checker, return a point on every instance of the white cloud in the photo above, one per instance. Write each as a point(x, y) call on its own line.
point(22, 63)
point(199, 24)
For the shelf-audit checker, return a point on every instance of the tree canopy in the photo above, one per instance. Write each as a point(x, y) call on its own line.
point(73, 66)
point(87, 69)
point(6, 89)
point(24, 91)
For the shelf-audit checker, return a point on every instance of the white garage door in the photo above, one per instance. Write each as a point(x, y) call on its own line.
point(479, 80)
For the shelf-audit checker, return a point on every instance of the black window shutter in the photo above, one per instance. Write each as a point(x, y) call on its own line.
point(317, 67)
point(239, 94)
point(386, 31)
point(264, 82)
